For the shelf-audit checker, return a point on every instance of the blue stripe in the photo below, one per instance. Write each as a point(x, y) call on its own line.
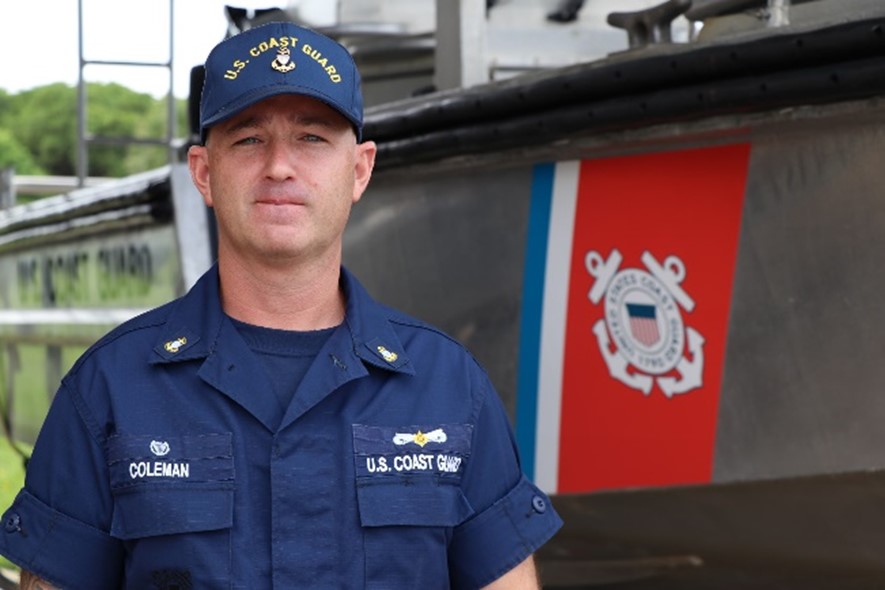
point(639, 310)
point(532, 304)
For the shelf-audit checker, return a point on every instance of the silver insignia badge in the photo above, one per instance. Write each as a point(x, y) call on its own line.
point(283, 62)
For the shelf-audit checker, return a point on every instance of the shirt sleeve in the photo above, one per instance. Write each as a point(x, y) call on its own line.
point(513, 517)
point(57, 526)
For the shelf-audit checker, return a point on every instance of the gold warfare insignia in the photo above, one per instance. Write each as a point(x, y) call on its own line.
point(174, 346)
point(420, 438)
point(388, 356)
point(283, 62)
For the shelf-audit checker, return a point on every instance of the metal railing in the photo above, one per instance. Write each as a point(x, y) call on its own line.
point(84, 139)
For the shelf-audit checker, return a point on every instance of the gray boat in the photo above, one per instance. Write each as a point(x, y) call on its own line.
point(669, 258)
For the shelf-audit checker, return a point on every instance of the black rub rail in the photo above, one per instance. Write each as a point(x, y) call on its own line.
point(659, 84)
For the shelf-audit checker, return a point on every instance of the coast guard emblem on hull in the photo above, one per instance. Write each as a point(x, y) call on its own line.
point(643, 319)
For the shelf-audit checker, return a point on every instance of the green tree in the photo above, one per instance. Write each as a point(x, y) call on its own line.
point(44, 121)
point(13, 154)
point(115, 112)
point(154, 125)
point(5, 108)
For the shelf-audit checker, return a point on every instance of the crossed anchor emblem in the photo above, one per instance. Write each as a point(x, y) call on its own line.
point(643, 319)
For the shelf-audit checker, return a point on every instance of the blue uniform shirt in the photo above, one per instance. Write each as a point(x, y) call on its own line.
point(167, 462)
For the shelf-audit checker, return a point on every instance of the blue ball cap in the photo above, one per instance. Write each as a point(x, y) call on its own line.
point(279, 58)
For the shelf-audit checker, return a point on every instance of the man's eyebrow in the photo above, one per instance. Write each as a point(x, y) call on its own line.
point(246, 123)
point(304, 119)
point(320, 120)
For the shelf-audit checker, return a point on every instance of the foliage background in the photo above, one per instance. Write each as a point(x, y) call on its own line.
point(38, 130)
point(12, 476)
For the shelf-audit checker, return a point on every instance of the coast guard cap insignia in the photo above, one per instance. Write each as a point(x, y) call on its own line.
point(420, 438)
point(643, 319)
point(283, 62)
point(160, 448)
point(174, 346)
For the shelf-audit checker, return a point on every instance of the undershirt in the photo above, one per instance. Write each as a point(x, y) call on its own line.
point(285, 354)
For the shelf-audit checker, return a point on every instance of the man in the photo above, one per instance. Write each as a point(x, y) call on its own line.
point(275, 427)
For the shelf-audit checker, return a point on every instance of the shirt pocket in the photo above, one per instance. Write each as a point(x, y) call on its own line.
point(165, 485)
point(409, 499)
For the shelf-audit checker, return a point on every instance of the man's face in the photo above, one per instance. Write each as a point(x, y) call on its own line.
point(282, 177)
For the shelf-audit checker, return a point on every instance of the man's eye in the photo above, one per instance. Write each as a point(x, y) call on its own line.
point(312, 138)
point(246, 141)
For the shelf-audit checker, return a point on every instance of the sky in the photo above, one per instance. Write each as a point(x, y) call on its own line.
point(39, 39)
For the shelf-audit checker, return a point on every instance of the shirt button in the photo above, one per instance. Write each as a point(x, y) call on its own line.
point(13, 523)
point(539, 504)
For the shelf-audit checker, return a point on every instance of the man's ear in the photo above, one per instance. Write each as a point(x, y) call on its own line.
point(365, 162)
point(198, 163)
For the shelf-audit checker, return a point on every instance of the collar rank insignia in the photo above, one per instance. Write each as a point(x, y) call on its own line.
point(388, 356)
point(420, 438)
point(283, 62)
point(174, 346)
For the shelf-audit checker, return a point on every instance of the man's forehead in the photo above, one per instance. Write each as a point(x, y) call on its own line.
point(291, 107)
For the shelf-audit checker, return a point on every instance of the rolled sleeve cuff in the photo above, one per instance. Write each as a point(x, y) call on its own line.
point(58, 548)
point(501, 537)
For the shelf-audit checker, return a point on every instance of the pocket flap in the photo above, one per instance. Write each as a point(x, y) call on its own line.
point(165, 485)
point(168, 509)
point(418, 503)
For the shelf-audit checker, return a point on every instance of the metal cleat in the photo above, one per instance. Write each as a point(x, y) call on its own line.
point(650, 26)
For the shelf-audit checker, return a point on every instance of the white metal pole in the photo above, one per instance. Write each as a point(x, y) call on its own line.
point(460, 44)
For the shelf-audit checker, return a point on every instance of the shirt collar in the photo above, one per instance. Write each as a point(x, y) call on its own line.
point(194, 323)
